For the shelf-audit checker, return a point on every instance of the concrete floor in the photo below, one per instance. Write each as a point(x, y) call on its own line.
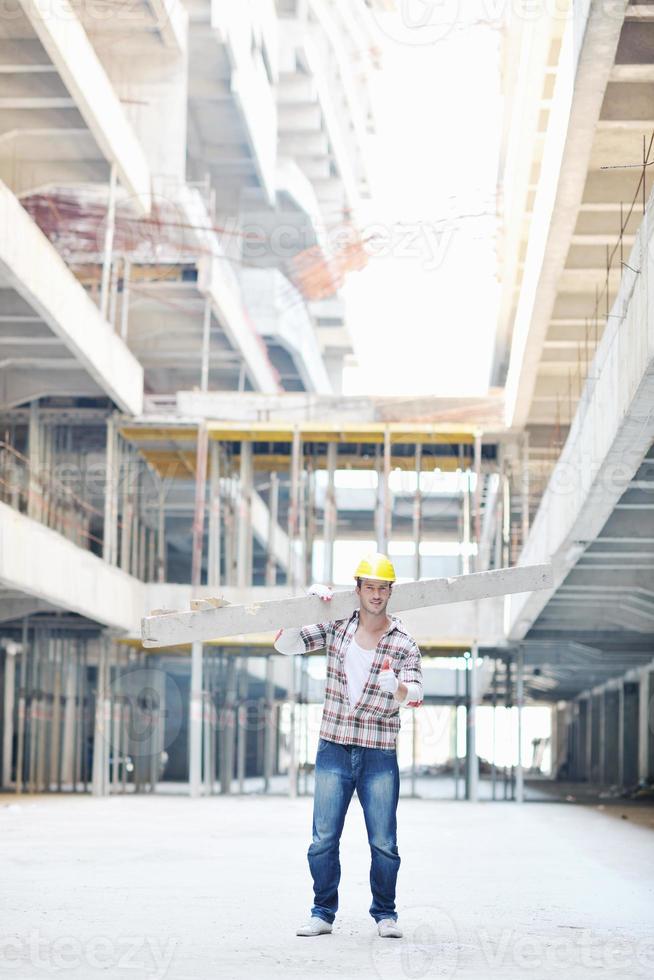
point(163, 887)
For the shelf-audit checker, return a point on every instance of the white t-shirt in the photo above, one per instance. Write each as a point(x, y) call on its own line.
point(357, 669)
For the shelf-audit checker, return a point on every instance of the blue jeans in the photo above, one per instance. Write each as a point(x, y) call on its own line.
point(374, 773)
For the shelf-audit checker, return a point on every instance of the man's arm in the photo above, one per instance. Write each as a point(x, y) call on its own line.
point(295, 640)
point(408, 691)
point(410, 679)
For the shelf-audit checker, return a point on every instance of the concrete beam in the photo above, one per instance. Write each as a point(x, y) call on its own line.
point(184, 627)
point(23, 384)
point(611, 433)
point(447, 626)
point(79, 67)
point(277, 309)
point(218, 284)
point(171, 20)
point(354, 410)
point(587, 56)
point(39, 275)
point(42, 564)
point(18, 608)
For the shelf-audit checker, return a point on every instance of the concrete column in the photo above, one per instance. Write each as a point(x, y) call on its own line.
point(506, 520)
point(649, 728)
point(241, 718)
point(207, 736)
point(310, 523)
point(70, 694)
point(228, 728)
point(477, 502)
point(124, 305)
point(417, 515)
point(472, 763)
point(200, 497)
point(110, 536)
point(575, 728)
point(595, 737)
point(8, 717)
point(611, 740)
point(384, 511)
point(116, 726)
point(206, 346)
point(330, 515)
point(126, 527)
point(629, 731)
point(273, 510)
point(465, 530)
point(35, 435)
point(195, 721)
point(230, 535)
point(108, 242)
point(582, 740)
point(102, 734)
point(293, 510)
point(244, 530)
point(302, 528)
point(21, 715)
point(646, 726)
point(520, 701)
point(213, 569)
point(524, 488)
point(54, 775)
point(269, 723)
point(161, 533)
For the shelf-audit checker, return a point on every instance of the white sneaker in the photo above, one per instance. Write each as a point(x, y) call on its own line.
point(315, 927)
point(389, 929)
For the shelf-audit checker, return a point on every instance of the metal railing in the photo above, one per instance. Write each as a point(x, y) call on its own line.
point(47, 500)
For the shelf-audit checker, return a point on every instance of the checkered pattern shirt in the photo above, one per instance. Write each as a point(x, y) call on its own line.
point(374, 721)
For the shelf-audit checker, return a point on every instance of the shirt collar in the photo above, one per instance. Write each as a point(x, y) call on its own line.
point(396, 624)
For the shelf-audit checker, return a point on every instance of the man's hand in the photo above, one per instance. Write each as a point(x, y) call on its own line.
point(322, 591)
point(386, 678)
point(289, 641)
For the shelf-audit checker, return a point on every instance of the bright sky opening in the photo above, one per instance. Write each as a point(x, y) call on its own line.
point(433, 284)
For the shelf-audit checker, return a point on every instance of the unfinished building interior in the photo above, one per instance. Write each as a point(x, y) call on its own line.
point(180, 198)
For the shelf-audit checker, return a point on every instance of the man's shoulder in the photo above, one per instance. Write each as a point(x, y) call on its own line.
point(400, 628)
point(331, 624)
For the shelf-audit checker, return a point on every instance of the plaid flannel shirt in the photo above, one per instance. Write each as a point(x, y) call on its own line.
point(374, 720)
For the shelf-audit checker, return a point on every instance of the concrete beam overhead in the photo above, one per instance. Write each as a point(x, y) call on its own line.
point(42, 564)
point(63, 304)
point(612, 433)
point(569, 144)
point(70, 50)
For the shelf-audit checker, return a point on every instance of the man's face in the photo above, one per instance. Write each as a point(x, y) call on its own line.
point(374, 595)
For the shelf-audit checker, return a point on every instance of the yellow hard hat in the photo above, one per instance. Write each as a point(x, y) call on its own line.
point(378, 567)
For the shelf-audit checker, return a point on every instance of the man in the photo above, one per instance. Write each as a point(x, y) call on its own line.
point(373, 666)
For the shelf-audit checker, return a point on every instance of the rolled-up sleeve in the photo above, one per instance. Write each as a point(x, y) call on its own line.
point(411, 673)
point(314, 637)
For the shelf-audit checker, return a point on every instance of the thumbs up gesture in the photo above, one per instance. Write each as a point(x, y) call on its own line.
point(386, 677)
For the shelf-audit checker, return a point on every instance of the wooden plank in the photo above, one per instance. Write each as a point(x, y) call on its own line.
point(171, 629)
